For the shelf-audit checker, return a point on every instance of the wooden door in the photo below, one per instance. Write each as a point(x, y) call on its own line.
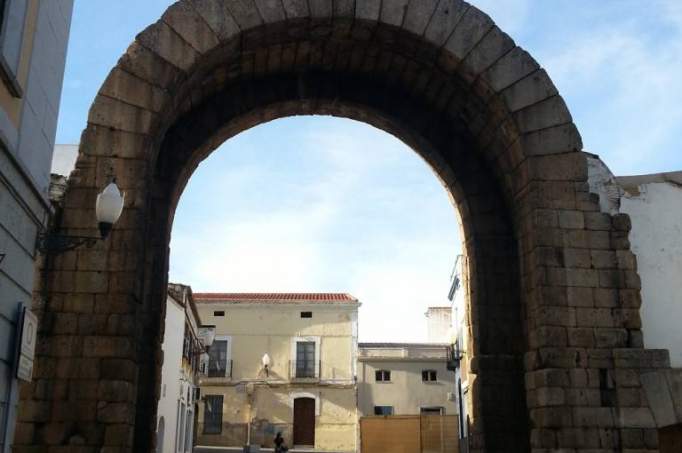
point(304, 421)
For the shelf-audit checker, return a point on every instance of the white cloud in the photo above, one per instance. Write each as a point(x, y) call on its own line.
point(623, 79)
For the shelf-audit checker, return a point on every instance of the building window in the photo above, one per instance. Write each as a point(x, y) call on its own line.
point(435, 410)
point(12, 19)
point(305, 359)
point(213, 414)
point(429, 376)
point(383, 410)
point(306, 314)
point(382, 376)
point(217, 359)
point(219, 313)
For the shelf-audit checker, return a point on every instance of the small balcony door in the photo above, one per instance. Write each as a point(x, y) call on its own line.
point(304, 422)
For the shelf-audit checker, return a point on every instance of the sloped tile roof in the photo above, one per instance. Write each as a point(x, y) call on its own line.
point(274, 297)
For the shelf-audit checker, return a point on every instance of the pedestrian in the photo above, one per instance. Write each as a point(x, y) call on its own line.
point(279, 443)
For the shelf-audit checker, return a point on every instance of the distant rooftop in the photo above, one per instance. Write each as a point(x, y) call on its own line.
point(402, 345)
point(321, 298)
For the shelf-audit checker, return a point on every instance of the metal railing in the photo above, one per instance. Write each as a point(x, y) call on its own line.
point(214, 371)
point(304, 370)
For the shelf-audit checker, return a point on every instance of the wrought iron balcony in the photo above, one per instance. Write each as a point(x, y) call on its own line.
point(221, 369)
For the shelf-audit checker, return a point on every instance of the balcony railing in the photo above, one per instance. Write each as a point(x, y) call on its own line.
point(305, 370)
point(219, 370)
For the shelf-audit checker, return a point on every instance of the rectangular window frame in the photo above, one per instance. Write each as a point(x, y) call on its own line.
point(294, 364)
point(211, 413)
point(383, 411)
point(12, 43)
point(306, 314)
point(228, 358)
point(429, 376)
point(382, 376)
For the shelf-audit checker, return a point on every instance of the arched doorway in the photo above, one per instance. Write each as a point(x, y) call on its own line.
point(553, 312)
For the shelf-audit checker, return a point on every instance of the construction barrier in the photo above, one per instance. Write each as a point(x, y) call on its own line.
point(409, 434)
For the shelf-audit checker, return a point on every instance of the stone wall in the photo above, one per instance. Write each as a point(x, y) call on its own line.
point(555, 342)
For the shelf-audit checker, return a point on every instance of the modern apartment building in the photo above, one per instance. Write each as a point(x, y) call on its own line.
point(280, 363)
point(33, 41)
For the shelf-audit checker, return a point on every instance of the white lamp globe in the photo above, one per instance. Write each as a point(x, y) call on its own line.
point(108, 208)
point(266, 360)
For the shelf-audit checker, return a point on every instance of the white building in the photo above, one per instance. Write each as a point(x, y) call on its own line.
point(654, 204)
point(405, 379)
point(182, 351)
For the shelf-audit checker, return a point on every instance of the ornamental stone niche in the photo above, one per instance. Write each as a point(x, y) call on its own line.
point(556, 347)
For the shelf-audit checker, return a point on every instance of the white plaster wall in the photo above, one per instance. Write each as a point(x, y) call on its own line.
point(656, 238)
point(171, 372)
point(438, 324)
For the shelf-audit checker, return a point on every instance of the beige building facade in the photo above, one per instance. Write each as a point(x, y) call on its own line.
point(405, 379)
point(280, 363)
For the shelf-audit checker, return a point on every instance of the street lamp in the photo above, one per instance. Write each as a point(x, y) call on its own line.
point(266, 364)
point(108, 208)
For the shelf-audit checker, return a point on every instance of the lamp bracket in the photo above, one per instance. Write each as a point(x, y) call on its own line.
point(54, 244)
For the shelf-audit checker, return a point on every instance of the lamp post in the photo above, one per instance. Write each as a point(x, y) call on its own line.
point(108, 208)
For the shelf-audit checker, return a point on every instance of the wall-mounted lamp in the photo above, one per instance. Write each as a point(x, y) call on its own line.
point(206, 335)
point(108, 208)
point(266, 364)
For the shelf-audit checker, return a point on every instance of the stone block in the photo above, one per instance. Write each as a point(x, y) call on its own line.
point(471, 29)
point(34, 411)
point(583, 397)
point(597, 221)
point(115, 412)
point(629, 298)
point(628, 317)
point(659, 397)
point(117, 347)
point(118, 369)
point(571, 219)
point(169, 45)
point(626, 260)
point(119, 434)
point(115, 114)
point(530, 90)
point(641, 358)
point(594, 317)
point(418, 15)
point(558, 167)
point(116, 391)
point(582, 277)
point(547, 113)
point(634, 417)
point(604, 259)
point(554, 140)
point(590, 417)
point(622, 222)
point(580, 297)
point(581, 337)
point(133, 90)
point(447, 15)
point(577, 258)
point(605, 297)
point(610, 338)
point(551, 417)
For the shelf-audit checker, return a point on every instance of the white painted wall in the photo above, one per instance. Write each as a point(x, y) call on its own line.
point(171, 372)
point(655, 210)
point(438, 324)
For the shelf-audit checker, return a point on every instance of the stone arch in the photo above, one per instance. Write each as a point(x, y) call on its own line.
point(552, 304)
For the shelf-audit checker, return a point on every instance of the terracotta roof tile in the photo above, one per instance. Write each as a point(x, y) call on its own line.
point(274, 297)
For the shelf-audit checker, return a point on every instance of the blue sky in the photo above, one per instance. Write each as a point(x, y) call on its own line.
point(324, 204)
